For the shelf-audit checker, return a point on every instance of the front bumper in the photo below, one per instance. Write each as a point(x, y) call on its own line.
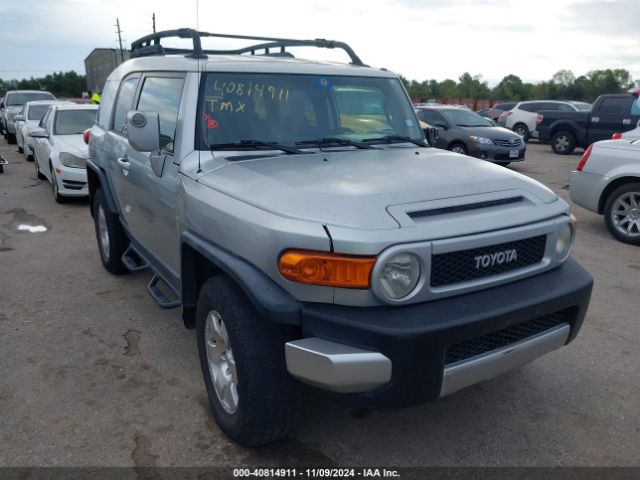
point(398, 356)
point(496, 153)
point(72, 182)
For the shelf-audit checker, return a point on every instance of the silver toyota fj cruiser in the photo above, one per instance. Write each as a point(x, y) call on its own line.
point(294, 212)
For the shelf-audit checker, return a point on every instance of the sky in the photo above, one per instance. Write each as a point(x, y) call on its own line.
point(420, 39)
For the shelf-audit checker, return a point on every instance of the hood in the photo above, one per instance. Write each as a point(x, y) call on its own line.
point(73, 144)
point(498, 133)
point(356, 188)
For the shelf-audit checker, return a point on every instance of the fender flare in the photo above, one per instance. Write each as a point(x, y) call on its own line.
point(271, 301)
point(103, 183)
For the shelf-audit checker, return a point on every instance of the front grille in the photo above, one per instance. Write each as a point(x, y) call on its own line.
point(464, 208)
point(468, 265)
point(506, 336)
point(507, 143)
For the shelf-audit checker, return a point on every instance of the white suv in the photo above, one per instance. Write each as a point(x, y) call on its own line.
point(522, 118)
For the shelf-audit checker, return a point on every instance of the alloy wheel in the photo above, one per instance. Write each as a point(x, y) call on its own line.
point(104, 232)
point(222, 365)
point(625, 214)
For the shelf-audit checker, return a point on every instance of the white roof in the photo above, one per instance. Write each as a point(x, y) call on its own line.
point(245, 64)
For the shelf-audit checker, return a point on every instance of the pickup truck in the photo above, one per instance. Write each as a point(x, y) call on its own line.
point(611, 113)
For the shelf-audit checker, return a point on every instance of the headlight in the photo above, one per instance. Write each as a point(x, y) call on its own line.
point(399, 275)
point(564, 242)
point(69, 160)
point(486, 141)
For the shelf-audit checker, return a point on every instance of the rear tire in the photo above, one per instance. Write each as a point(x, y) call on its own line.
point(11, 138)
point(245, 353)
point(563, 143)
point(522, 130)
point(112, 241)
point(20, 149)
point(624, 223)
point(503, 164)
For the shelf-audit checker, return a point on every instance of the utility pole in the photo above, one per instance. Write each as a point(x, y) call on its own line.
point(120, 39)
point(153, 17)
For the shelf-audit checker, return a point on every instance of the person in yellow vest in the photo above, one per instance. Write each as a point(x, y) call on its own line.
point(95, 98)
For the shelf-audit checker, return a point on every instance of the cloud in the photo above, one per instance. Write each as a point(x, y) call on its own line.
point(604, 18)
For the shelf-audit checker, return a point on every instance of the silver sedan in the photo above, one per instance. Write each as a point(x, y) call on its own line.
point(607, 181)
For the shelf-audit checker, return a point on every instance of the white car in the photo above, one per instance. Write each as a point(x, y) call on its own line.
point(607, 181)
point(522, 118)
point(60, 152)
point(26, 122)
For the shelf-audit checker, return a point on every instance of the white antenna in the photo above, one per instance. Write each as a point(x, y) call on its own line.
point(197, 15)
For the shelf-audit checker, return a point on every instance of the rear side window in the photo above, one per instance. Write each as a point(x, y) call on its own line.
point(614, 105)
point(635, 108)
point(565, 108)
point(504, 106)
point(430, 116)
point(124, 102)
point(530, 107)
point(162, 95)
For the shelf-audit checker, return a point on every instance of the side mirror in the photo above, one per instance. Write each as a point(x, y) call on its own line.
point(39, 133)
point(143, 131)
point(441, 124)
point(432, 135)
point(491, 121)
point(18, 118)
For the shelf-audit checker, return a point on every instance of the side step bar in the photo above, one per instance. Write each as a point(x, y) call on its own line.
point(133, 260)
point(158, 295)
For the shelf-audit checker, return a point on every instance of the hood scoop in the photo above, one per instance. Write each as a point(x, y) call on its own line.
point(463, 208)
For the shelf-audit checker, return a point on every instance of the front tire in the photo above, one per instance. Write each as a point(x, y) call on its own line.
point(622, 213)
point(112, 241)
point(252, 397)
point(458, 148)
point(56, 190)
point(563, 143)
point(39, 174)
point(11, 138)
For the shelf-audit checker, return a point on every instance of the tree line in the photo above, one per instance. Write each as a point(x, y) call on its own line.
point(563, 85)
point(61, 84)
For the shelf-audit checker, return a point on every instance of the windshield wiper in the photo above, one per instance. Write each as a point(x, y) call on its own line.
point(255, 144)
point(335, 141)
point(396, 139)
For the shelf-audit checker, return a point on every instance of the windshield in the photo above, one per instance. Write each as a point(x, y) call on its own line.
point(582, 106)
point(36, 112)
point(289, 109)
point(74, 122)
point(15, 99)
point(465, 118)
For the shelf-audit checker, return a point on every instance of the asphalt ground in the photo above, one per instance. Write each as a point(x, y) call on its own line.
point(92, 373)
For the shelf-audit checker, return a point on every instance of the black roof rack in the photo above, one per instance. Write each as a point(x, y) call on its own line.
point(150, 45)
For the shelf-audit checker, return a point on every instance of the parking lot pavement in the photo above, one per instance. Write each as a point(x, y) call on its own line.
point(93, 373)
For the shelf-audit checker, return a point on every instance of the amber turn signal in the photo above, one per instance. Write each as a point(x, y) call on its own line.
point(331, 269)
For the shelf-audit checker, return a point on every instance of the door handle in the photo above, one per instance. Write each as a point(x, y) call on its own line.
point(124, 163)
